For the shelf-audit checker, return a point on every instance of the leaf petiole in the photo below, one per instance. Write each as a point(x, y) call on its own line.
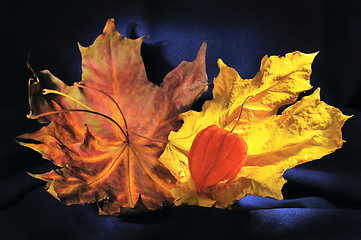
point(240, 114)
point(110, 97)
point(77, 110)
point(47, 91)
point(97, 113)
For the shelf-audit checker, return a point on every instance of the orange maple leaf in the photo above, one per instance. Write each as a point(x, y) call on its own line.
point(107, 132)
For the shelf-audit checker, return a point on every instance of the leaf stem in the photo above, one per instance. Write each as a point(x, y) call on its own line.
point(78, 110)
point(151, 139)
point(97, 113)
point(240, 114)
point(47, 91)
point(125, 131)
point(200, 94)
point(110, 97)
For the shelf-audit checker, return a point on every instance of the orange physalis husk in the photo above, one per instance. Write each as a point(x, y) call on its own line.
point(215, 155)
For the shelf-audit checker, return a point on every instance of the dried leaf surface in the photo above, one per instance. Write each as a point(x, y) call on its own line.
point(305, 131)
point(101, 131)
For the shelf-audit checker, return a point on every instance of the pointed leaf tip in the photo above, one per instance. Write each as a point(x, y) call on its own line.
point(202, 50)
point(219, 62)
point(109, 27)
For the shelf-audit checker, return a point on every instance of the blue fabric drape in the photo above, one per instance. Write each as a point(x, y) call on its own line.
point(322, 198)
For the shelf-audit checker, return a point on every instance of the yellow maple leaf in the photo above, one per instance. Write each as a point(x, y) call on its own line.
point(305, 131)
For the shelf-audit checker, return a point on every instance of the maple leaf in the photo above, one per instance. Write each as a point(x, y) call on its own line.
point(107, 132)
point(305, 131)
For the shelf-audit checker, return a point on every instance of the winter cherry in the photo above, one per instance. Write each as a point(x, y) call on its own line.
point(215, 155)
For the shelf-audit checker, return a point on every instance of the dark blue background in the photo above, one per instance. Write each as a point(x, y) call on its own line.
point(322, 198)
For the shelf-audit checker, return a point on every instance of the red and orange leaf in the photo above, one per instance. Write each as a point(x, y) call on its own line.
point(107, 132)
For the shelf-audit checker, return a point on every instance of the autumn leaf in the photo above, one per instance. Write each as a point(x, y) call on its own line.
point(107, 132)
point(305, 131)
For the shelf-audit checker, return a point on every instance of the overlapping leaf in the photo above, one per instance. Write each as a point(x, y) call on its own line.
point(305, 131)
point(107, 132)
